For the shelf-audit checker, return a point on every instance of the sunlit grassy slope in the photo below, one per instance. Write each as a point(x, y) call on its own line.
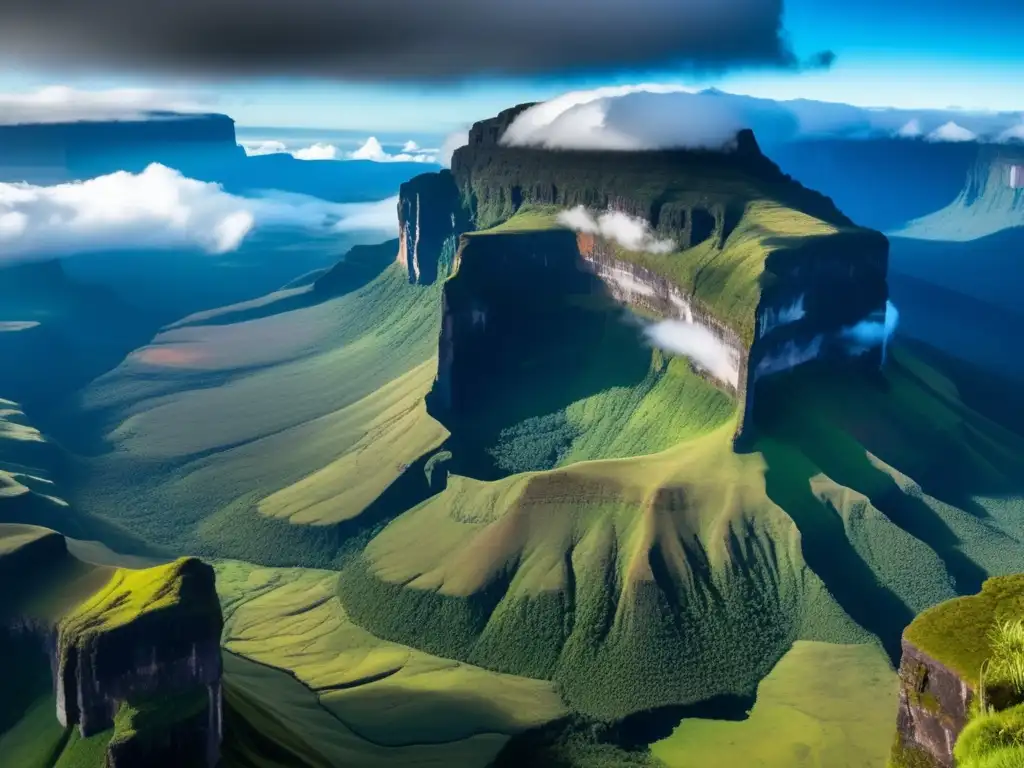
point(264, 431)
point(377, 702)
point(822, 706)
point(685, 574)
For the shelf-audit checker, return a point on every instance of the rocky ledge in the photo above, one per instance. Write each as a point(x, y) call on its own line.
point(135, 653)
point(945, 650)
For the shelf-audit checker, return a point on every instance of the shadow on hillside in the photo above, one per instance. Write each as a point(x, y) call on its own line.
point(830, 554)
point(989, 269)
point(567, 742)
point(525, 344)
point(817, 423)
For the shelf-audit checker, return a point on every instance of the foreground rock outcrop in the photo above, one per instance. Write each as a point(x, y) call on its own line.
point(941, 672)
point(133, 653)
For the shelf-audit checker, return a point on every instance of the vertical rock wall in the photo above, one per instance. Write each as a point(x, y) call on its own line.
point(933, 709)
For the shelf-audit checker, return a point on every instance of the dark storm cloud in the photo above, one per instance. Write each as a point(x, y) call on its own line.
point(404, 39)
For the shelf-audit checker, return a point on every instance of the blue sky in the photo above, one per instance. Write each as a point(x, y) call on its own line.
point(906, 53)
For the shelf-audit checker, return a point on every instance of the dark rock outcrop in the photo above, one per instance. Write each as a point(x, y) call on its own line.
point(168, 650)
point(140, 656)
point(933, 709)
point(942, 671)
point(430, 220)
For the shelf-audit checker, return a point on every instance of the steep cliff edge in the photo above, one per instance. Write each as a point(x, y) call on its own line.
point(772, 270)
point(134, 654)
point(946, 651)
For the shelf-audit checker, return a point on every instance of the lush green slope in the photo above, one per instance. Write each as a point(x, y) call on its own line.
point(253, 426)
point(626, 580)
point(381, 703)
point(55, 607)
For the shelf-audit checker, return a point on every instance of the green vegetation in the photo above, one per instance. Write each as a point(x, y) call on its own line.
point(272, 462)
point(391, 699)
point(625, 581)
point(144, 720)
point(30, 735)
point(822, 706)
point(959, 633)
point(130, 595)
point(995, 740)
point(82, 752)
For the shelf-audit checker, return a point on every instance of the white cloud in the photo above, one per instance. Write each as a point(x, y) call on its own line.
point(873, 332)
point(270, 147)
point(1013, 133)
point(158, 209)
point(371, 149)
point(410, 146)
point(60, 104)
point(631, 233)
point(317, 152)
point(453, 141)
point(699, 344)
point(911, 129)
point(952, 132)
point(370, 217)
point(663, 116)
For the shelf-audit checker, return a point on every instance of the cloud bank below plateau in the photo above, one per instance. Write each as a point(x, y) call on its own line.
point(161, 209)
point(657, 116)
point(371, 150)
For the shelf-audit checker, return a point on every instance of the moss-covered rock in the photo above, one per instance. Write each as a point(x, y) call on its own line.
point(146, 633)
point(945, 650)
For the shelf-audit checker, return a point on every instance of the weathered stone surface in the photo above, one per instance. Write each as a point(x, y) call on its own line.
point(933, 709)
point(430, 220)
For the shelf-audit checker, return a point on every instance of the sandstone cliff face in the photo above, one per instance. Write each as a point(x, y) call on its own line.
point(812, 290)
point(933, 711)
point(430, 220)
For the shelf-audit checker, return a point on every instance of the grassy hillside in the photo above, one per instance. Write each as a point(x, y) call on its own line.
point(375, 702)
point(273, 432)
point(822, 706)
point(626, 580)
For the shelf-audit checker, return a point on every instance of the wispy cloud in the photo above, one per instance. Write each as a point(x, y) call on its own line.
point(159, 209)
point(60, 104)
point(631, 233)
point(699, 344)
point(452, 142)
